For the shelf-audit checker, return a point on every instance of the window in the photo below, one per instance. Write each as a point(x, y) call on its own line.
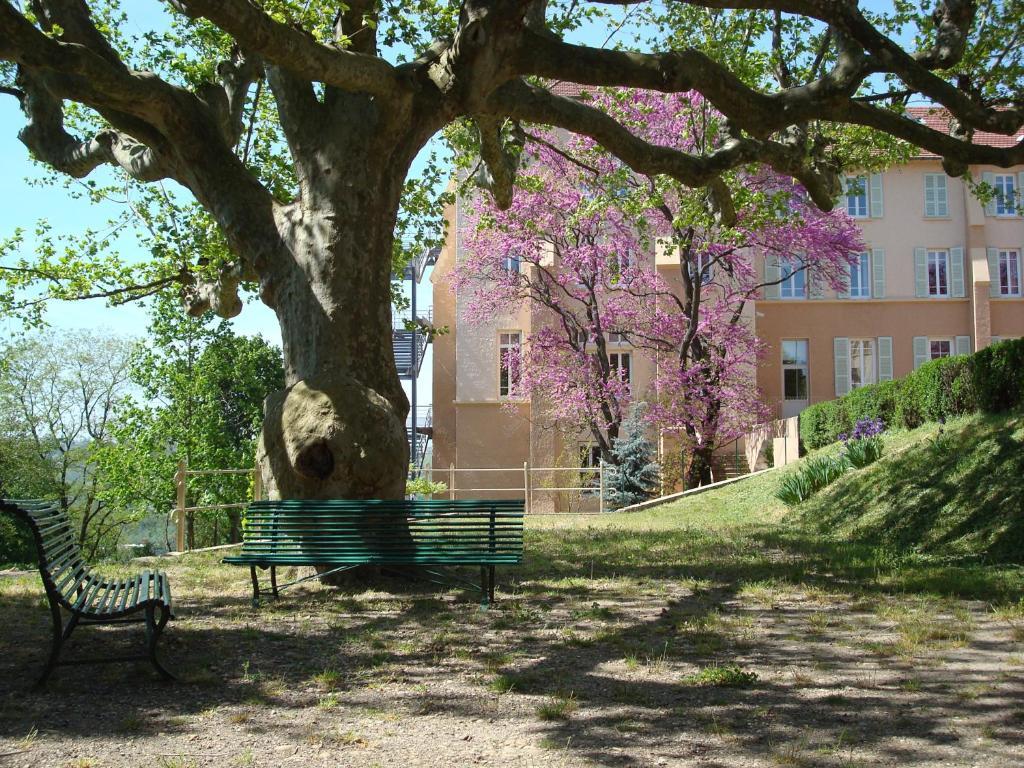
point(510, 263)
point(617, 338)
point(794, 280)
point(940, 348)
point(621, 365)
point(1009, 273)
point(938, 273)
point(860, 277)
point(508, 362)
point(862, 362)
point(1006, 194)
point(702, 265)
point(857, 196)
point(794, 369)
point(936, 200)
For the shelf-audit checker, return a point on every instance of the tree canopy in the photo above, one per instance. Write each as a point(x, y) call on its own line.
point(290, 130)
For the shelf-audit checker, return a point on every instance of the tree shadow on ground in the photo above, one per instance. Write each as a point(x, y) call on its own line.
point(612, 622)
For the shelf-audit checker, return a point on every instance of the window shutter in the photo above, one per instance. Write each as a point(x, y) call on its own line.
point(878, 273)
point(771, 276)
point(1020, 194)
point(956, 272)
point(921, 272)
point(963, 345)
point(885, 358)
point(815, 284)
point(941, 195)
point(844, 187)
point(994, 288)
point(990, 178)
point(920, 351)
point(875, 196)
point(844, 292)
point(930, 205)
point(841, 350)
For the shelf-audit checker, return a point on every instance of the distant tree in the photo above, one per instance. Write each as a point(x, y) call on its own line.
point(58, 397)
point(634, 476)
point(202, 389)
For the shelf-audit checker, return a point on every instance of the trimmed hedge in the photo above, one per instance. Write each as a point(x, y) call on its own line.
point(991, 380)
point(999, 376)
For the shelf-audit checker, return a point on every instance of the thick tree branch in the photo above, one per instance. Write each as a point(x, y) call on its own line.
point(501, 158)
point(294, 49)
point(532, 104)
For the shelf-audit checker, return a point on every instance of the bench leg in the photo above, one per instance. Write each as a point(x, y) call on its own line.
point(60, 636)
point(154, 629)
point(273, 580)
point(485, 588)
point(490, 580)
point(255, 587)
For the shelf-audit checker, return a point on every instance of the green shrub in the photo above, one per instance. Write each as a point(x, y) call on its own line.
point(813, 475)
point(793, 489)
point(860, 453)
point(822, 423)
point(998, 374)
point(939, 389)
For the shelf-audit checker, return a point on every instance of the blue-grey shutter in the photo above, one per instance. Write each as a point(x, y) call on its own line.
point(841, 356)
point(921, 355)
point(878, 273)
point(956, 272)
point(885, 358)
point(771, 276)
point(963, 345)
point(994, 287)
point(875, 196)
point(990, 178)
point(921, 272)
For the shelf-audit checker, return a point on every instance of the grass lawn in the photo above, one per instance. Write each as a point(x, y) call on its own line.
point(723, 630)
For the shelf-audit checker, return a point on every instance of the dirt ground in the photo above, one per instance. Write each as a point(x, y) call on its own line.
point(723, 655)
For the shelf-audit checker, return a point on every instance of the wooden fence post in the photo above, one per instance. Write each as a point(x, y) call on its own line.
point(181, 483)
point(600, 475)
point(526, 486)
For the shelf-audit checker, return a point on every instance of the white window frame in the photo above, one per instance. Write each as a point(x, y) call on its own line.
point(590, 463)
point(615, 361)
point(804, 366)
point(1012, 257)
point(940, 184)
point(866, 352)
point(999, 182)
point(505, 345)
point(941, 340)
point(510, 260)
point(789, 281)
point(853, 209)
point(865, 276)
point(938, 256)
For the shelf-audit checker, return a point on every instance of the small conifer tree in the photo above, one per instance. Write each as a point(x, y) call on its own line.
point(633, 475)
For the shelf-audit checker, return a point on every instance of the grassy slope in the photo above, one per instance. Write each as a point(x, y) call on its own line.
point(951, 492)
point(939, 513)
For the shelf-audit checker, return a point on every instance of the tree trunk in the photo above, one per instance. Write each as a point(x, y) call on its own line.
point(337, 430)
point(697, 469)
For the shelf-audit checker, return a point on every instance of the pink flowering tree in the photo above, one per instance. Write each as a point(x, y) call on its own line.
point(579, 243)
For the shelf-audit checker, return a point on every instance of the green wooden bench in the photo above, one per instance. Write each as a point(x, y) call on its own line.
point(344, 534)
point(88, 597)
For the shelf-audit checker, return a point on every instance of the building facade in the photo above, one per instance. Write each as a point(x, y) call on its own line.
point(941, 275)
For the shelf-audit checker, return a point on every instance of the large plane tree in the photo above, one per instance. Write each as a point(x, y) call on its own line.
point(354, 91)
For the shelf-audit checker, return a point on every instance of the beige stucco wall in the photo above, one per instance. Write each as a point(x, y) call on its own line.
point(823, 320)
point(466, 362)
